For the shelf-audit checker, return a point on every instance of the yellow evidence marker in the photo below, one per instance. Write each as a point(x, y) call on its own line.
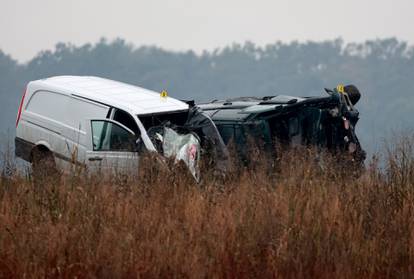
point(340, 88)
point(163, 94)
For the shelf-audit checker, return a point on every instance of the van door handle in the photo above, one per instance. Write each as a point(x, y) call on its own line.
point(96, 158)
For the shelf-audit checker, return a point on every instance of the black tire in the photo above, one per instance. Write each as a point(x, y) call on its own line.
point(43, 166)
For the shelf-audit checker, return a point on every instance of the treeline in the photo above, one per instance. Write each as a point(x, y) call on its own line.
point(382, 69)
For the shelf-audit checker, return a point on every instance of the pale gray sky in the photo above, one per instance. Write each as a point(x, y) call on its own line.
point(28, 26)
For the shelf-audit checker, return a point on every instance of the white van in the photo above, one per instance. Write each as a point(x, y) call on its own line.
point(101, 124)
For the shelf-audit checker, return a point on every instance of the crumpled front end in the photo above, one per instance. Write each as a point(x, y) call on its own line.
point(189, 140)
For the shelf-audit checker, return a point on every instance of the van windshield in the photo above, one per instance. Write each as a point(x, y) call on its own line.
point(178, 118)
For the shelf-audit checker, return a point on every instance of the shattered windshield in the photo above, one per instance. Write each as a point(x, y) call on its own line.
point(176, 117)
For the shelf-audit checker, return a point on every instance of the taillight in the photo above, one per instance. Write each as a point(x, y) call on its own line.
point(20, 107)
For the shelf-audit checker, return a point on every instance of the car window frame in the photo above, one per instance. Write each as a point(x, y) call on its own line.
point(113, 122)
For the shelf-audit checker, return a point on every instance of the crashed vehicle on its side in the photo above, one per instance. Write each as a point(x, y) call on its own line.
point(324, 122)
point(105, 126)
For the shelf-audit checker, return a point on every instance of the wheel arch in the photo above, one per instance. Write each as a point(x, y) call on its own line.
point(41, 146)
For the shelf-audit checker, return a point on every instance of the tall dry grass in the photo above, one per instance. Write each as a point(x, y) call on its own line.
point(309, 220)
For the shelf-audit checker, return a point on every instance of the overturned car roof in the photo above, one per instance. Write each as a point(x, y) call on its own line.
point(240, 109)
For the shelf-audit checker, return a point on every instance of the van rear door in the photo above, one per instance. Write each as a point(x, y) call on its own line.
point(112, 148)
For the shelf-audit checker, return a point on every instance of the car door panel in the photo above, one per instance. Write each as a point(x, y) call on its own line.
point(112, 148)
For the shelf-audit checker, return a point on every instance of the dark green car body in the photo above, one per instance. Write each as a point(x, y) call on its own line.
point(324, 122)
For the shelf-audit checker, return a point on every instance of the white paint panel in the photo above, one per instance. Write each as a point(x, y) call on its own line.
point(134, 99)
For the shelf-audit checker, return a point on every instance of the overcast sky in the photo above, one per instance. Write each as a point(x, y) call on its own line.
point(28, 26)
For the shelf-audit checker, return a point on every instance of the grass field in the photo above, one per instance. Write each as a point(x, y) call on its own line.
point(300, 222)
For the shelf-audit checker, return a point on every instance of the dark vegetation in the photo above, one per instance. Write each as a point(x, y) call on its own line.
point(301, 221)
point(382, 69)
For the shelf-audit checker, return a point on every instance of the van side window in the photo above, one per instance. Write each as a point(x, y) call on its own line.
point(108, 136)
point(126, 119)
point(64, 109)
point(49, 105)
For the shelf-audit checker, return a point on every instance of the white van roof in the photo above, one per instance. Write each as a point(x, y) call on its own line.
point(128, 97)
